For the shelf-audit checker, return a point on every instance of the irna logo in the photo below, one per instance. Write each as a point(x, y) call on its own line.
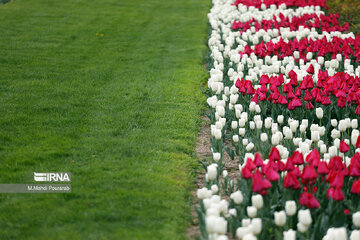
point(52, 177)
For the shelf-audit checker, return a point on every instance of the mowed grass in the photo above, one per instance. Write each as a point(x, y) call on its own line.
point(120, 112)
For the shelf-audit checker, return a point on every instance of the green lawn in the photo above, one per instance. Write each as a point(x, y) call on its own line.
point(120, 112)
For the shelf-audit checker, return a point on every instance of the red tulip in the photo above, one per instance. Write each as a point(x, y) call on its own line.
point(322, 168)
point(258, 161)
point(309, 173)
point(310, 69)
point(336, 194)
point(291, 181)
point(271, 174)
point(274, 154)
point(246, 173)
point(298, 158)
point(344, 147)
point(355, 188)
point(313, 158)
point(309, 200)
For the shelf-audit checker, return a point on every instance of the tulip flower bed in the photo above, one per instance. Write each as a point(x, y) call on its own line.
point(284, 102)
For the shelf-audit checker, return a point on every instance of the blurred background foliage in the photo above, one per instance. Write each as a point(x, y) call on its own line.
point(349, 11)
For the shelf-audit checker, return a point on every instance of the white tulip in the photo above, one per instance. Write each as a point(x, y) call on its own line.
point(354, 123)
point(212, 172)
point(355, 235)
point(203, 193)
point(245, 222)
point(235, 138)
point(216, 225)
point(342, 126)
point(305, 122)
point(212, 211)
point(293, 126)
point(280, 218)
point(225, 173)
point(290, 208)
point(289, 235)
point(315, 136)
point(263, 137)
point(237, 197)
point(250, 147)
point(222, 237)
point(252, 125)
point(302, 128)
point(234, 124)
point(242, 131)
point(323, 148)
point(217, 134)
point(356, 219)
point(216, 156)
point(251, 211)
point(319, 113)
point(304, 217)
point(249, 236)
point(252, 106)
point(259, 124)
point(301, 227)
point(280, 119)
point(232, 212)
point(257, 201)
point(242, 231)
point(242, 122)
point(256, 225)
point(268, 122)
point(334, 122)
point(214, 189)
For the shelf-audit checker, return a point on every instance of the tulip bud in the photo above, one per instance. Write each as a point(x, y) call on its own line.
point(355, 235)
point(290, 208)
point(268, 122)
point(249, 147)
point(263, 137)
point(319, 113)
point(245, 222)
point(216, 225)
point(234, 124)
point(334, 122)
point(217, 134)
point(235, 138)
point(251, 211)
point(257, 201)
point(280, 218)
point(203, 193)
point(275, 139)
point(212, 211)
point(259, 124)
point(214, 189)
point(242, 231)
point(225, 173)
point(356, 219)
point(342, 126)
point(237, 197)
point(293, 126)
point(289, 235)
point(354, 123)
point(232, 212)
point(301, 227)
point(212, 171)
point(315, 136)
point(304, 217)
point(242, 122)
point(256, 225)
point(242, 131)
point(216, 156)
point(280, 119)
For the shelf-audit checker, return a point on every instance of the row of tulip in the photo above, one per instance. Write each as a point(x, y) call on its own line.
point(284, 101)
